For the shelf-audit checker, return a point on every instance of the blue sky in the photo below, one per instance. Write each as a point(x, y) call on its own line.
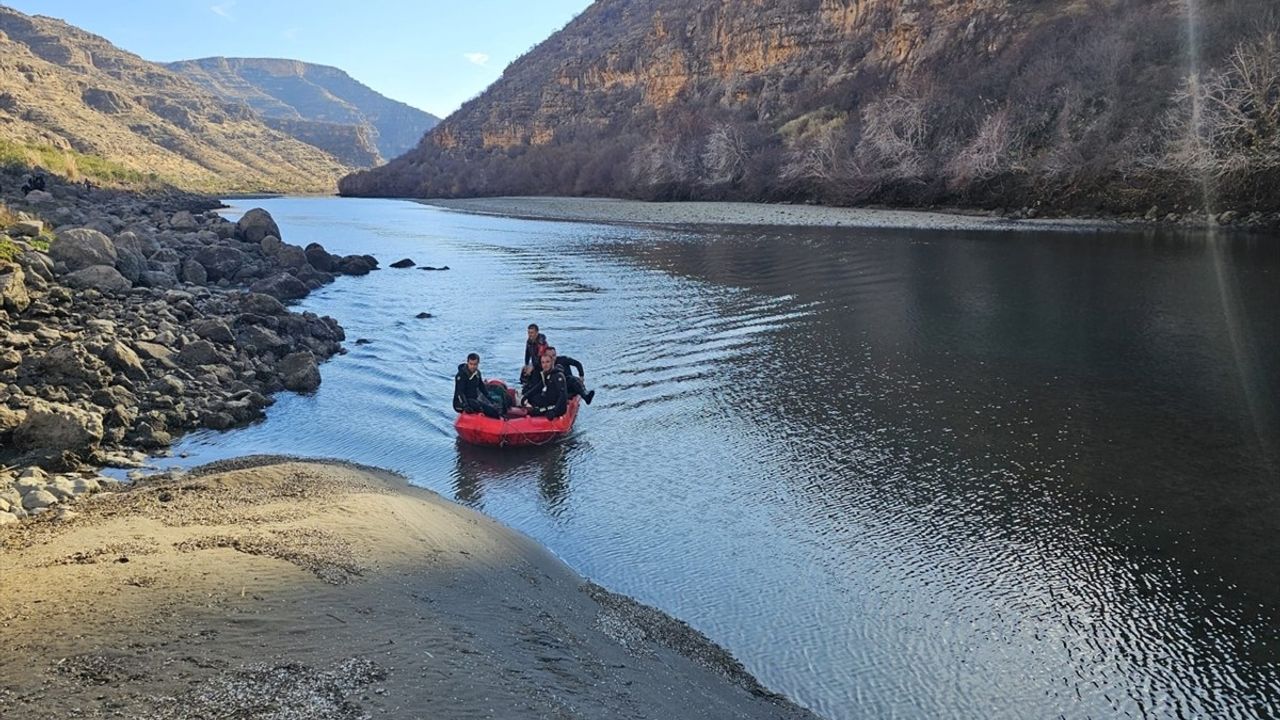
point(430, 54)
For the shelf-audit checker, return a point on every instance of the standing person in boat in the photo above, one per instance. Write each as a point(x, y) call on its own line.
point(534, 345)
point(468, 389)
point(576, 385)
point(550, 398)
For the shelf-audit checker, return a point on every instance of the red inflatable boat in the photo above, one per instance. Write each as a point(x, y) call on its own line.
point(517, 429)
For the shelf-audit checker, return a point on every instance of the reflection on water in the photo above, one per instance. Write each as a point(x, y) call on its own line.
point(899, 474)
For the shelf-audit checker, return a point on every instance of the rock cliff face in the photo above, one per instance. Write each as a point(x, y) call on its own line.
point(295, 91)
point(70, 96)
point(903, 101)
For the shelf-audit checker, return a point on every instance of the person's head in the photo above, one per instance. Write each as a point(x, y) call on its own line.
point(548, 362)
point(533, 331)
point(550, 351)
point(473, 362)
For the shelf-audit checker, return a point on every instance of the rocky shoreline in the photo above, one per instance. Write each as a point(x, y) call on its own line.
point(127, 319)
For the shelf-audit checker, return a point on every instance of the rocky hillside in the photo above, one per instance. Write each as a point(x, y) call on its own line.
point(305, 96)
point(73, 100)
point(1002, 103)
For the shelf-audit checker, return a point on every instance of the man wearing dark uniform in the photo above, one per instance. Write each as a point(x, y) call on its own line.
point(550, 397)
point(468, 389)
point(575, 385)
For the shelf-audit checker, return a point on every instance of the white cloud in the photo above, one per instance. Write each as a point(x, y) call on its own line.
point(480, 59)
point(223, 9)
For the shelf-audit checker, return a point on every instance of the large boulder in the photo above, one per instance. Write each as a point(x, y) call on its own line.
point(182, 220)
point(54, 426)
point(291, 256)
point(130, 263)
point(98, 277)
point(79, 248)
point(356, 265)
point(282, 286)
point(123, 358)
point(220, 261)
point(144, 245)
point(200, 352)
point(13, 289)
point(26, 228)
point(162, 279)
point(299, 372)
point(260, 304)
point(193, 272)
point(255, 225)
point(65, 364)
point(319, 258)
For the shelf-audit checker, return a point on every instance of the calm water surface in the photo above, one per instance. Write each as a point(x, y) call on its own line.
point(899, 474)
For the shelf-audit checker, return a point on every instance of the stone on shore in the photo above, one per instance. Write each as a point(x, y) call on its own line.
point(220, 261)
point(281, 287)
point(13, 290)
point(300, 372)
point(79, 248)
point(200, 352)
point(55, 426)
point(26, 228)
point(103, 278)
point(255, 225)
point(401, 264)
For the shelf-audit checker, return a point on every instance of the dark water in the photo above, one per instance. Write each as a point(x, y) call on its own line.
point(897, 473)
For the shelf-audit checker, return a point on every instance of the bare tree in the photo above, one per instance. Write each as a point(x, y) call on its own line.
point(726, 155)
point(1229, 120)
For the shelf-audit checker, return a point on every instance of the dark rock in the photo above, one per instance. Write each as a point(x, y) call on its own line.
point(130, 264)
point(122, 358)
point(98, 277)
point(153, 351)
point(144, 245)
point(300, 372)
point(363, 341)
point(428, 267)
point(292, 256)
point(423, 315)
point(282, 287)
point(255, 225)
point(220, 261)
point(319, 258)
point(260, 304)
point(214, 330)
point(270, 245)
point(258, 339)
point(194, 273)
point(79, 248)
point(157, 279)
point(401, 264)
point(183, 220)
point(200, 352)
point(357, 265)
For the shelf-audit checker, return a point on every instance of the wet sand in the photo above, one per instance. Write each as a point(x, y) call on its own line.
point(277, 588)
point(636, 212)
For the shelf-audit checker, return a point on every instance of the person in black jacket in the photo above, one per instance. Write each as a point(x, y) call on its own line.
point(576, 385)
point(468, 389)
point(534, 345)
point(550, 398)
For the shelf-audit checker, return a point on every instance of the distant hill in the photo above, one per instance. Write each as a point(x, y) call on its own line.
point(73, 102)
point(303, 94)
point(1075, 105)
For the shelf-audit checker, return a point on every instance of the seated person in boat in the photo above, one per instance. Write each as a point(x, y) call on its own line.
point(549, 397)
point(576, 385)
point(469, 390)
point(534, 345)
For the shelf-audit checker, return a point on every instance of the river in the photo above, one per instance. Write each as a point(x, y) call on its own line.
point(897, 473)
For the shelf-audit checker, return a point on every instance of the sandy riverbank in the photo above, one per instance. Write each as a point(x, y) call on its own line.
point(270, 588)
point(635, 212)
